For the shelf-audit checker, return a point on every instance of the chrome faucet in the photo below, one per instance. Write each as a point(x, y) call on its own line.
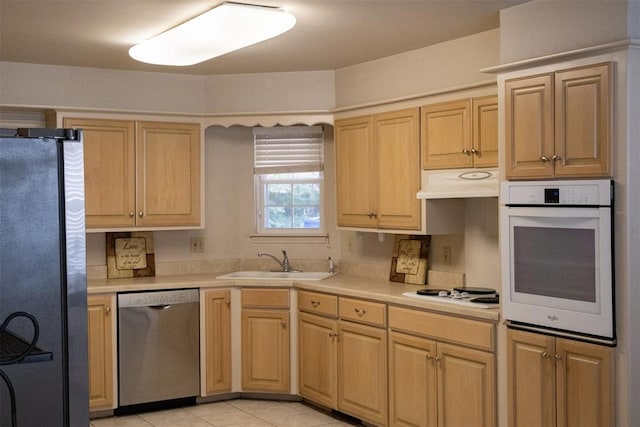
point(284, 263)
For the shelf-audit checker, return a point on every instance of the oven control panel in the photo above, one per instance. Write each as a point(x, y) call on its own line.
point(557, 193)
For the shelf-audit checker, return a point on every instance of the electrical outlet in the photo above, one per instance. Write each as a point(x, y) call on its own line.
point(350, 243)
point(446, 255)
point(197, 244)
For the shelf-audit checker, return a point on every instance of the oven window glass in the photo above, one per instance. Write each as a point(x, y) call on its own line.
point(555, 262)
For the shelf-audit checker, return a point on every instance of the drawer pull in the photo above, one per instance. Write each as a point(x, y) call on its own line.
point(360, 311)
point(315, 304)
point(283, 323)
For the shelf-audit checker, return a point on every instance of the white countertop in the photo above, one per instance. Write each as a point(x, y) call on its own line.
point(345, 285)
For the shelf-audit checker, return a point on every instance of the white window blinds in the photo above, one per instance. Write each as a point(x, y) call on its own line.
point(288, 149)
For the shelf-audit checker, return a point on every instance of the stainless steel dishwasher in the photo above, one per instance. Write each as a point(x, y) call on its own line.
point(158, 346)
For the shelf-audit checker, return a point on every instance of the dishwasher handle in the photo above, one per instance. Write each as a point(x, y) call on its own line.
point(159, 300)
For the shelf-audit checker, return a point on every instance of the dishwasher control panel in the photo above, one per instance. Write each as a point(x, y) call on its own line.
point(150, 298)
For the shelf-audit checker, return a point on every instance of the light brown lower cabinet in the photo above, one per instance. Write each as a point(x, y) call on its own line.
point(342, 364)
point(559, 382)
point(100, 347)
point(265, 340)
point(318, 359)
point(217, 341)
point(437, 384)
point(362, 371)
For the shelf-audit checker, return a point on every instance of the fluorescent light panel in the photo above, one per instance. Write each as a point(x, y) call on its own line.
point(223, 29)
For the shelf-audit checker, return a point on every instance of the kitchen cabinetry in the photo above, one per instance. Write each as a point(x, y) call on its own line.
point(438, 383)
point(558, 382)
point(378, 171)
point(460, 134)
point(265, 340)
point(100, 323)
point(217, 340)
point(343, 363)
point(140, 173)
point(317, 353)
point(559, 124)
point(362, 359)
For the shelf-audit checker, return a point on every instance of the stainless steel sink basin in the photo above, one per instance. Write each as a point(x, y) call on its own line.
point(276, 275)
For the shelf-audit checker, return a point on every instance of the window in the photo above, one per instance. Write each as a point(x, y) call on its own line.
point(288, 166)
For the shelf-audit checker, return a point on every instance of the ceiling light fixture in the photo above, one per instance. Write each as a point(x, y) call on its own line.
point(223, 29)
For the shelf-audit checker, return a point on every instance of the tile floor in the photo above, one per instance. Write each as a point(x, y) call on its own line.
point(238, 412)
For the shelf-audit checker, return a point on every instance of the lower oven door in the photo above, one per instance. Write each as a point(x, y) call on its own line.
point(558, 268)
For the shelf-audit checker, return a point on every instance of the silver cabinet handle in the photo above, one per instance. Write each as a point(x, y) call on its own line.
point(372, 215)
point(544, 159)
point(558, 358)
point(475, 152)
point(545, 355)
point(108, 310)
point(429, 356)
point(360, 311)
point(140, 214)
point(283, 323)
point(556, 158)
point(131, 214)
point(466, 152)
point(227, 302)
point(315, 303)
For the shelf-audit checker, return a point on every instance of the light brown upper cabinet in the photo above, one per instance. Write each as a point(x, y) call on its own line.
point(559, 124)
point(378, 170)
point(140, 174)
point(460, 134)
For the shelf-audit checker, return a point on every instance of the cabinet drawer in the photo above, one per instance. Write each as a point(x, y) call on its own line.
point(318, 303)
point(446, 328)
point(278, 298)
point(363, 311)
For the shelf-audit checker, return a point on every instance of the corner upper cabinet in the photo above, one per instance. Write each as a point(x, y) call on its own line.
point(559, 124)
point(460, 134)
point(378, 171)
point(140, 174)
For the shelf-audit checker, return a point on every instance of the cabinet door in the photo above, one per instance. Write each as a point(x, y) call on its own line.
point(362, 372)
point(529, 128)
point(485, 132)
point(530, 379)
point(446, 135)
point(585, 387)
point(582, 119)
point(398, 150)
point(265, 350)
point(355, 172)
point(412, 381)
point(109, 171)
point(317, 359)
point(466, 387)
point(217, 342)
point(168, 167)
point(100, 339)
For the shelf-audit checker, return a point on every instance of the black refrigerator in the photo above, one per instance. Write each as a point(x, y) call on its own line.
point(43, 293)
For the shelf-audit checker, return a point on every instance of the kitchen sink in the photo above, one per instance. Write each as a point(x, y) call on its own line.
point(277, 275)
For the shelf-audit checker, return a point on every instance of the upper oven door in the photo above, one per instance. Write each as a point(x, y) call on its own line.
point(558, 270)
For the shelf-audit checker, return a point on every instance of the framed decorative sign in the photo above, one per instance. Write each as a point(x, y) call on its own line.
point(130, 254)
point(409, 260)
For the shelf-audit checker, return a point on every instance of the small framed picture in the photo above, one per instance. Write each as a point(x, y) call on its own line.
point(130, 254)
point(409, 260)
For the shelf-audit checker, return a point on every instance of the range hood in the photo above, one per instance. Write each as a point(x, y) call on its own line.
point(459, 184)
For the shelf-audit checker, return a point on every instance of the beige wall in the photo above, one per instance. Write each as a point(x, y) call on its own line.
point(447, 65)
point(567, 25)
